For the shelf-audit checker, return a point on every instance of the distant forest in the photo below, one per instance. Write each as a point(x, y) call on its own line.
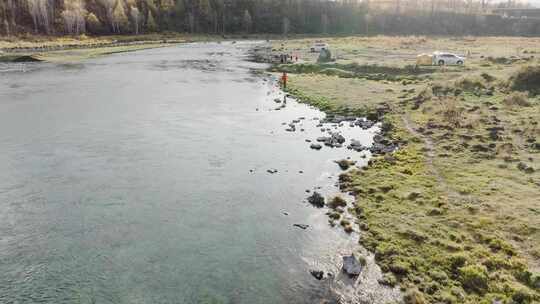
point(441, 17)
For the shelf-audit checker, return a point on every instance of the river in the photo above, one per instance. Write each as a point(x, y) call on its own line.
point(142, 178)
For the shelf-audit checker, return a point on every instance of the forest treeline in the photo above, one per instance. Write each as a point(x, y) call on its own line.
point(57, 17)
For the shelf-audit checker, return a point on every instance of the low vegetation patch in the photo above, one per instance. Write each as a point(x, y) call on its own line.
point(527, 79)
point(470, 84)
point(355, 70)
point(337, 202)
point(519, 99)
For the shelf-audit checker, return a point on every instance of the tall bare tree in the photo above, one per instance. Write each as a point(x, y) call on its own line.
point(74, 16)
point(136, 18)
point(247, 21)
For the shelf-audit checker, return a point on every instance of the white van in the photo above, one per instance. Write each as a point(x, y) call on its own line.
point(319, 46)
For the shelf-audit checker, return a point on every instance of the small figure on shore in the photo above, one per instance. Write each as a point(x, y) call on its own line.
point(284, 80)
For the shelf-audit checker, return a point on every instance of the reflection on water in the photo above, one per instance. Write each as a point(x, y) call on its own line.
point(142, 178)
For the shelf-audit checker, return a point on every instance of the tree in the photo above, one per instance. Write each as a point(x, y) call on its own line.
point(247, 21)
point(120, 19)
point(39, 11)
point(324, 23)
point(109, 5)
point(151, 23)
point(286, 24)
point(135, 18)
point(74, 17)
point(93, 24)
point(191, 22)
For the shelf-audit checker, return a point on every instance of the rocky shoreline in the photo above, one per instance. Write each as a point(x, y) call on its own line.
point(350, 268)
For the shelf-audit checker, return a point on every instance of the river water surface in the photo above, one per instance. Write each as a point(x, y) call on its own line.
point(142, 178)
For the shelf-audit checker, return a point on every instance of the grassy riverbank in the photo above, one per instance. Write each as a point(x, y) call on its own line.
point(453, 216)
point(65, 49)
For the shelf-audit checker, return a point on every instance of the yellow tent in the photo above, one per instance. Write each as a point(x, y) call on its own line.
point(424, 59)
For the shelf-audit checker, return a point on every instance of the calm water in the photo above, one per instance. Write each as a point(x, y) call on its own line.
point(141, 178)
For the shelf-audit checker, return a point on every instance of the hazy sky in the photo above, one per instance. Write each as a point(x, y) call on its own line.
point(535, 2)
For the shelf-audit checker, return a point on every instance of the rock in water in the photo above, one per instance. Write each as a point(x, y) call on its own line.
point(344, 164)
point(351, 265)
point(301, 226)
point(316, 200)
point(317, 274)
point(315, 146)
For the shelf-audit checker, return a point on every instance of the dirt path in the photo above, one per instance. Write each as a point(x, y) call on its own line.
point(430, 156)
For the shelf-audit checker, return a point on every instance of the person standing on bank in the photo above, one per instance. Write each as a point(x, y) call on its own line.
point(284, 78)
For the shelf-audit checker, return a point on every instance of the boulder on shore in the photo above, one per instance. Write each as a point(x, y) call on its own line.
point(351, 265)
point(317, 274)
point(315, 146)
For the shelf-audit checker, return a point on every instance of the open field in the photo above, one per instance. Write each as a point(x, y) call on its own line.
point(453, 216)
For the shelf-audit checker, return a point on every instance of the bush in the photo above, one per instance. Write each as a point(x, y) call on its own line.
point(400, 268)
point(487, 77)
point(499, 60)
point(335, 215)
point(336, 202)
point(517, 99)
point(535, 281)
point(522, 297)
point(388, 279)
point(413, 296)
point(470, 84)
point(451, 111)
point(527, 79)
point(474, 278)
point(337, 72)
point(93, 24)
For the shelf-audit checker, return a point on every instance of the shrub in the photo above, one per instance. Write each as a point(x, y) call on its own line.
point(400, 268)
point(345, 164)
point(386, 250)
point(451, 111)
point(522, 297)
point(93, 23)
point(413, 296)
point(388, 279)
point(474, 278)
point(535, 281)
point(527, 79)
point(423, 96)
point(487, 77)
point(438, 276)
point(345, 223)
point(337, 72)
point(336, 202)
point(517, 99)
point(335, 215)
point(470, 84)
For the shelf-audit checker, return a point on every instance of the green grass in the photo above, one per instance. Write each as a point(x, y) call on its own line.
point(453, 216)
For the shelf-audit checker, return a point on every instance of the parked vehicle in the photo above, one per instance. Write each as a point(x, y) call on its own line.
point(447, 59)
point(319, 46)
point(424, 59)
